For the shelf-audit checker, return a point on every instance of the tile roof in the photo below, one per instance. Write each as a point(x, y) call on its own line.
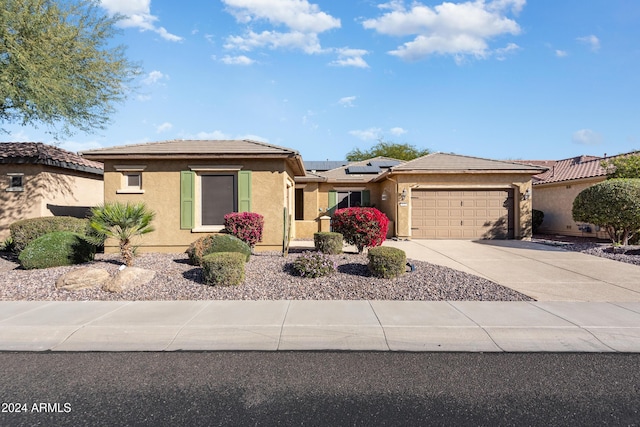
point(358, 172)
point(194, 147)
point(578, 167)
point(456, 162)
point(39, 153)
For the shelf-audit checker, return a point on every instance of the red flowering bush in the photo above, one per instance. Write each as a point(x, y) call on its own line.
point(246, 226)
point(362, 227)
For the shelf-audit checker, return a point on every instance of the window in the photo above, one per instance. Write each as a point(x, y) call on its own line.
point(349, 199)
point(208, 193)
point(299, 204)
point(16, 182)
point(131, 182)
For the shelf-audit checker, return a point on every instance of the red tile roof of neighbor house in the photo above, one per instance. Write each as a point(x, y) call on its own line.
point(579, 167)
point(43, 154)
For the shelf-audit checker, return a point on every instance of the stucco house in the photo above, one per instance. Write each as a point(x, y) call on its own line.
point(42, 180)
point(191, 185)
point(555, 190)
point(438, 196)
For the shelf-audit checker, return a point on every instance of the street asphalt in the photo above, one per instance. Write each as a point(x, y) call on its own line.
point(583, 304)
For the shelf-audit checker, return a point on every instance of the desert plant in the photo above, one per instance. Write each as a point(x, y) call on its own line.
point(122, 222)
point(313, 264)
point(537, 217)
point(57, 249)
point(246, 226)
point(27, 230)
point(362, 227)
point(387, 262)
point(216, 243)
point(328, 242)
point(614, 205)
point(223, 268)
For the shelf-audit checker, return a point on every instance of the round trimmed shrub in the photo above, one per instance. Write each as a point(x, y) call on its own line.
point(328, 242)
point(223, 268)
point(246, 226)
point(27, 230)
point(216, 243)
point(57, 249)
point(362, 227)
point(313, 264)
point(387, 262)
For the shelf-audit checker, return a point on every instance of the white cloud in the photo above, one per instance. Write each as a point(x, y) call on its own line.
point(397, 131)
point(347, 101)
point(78, 147)
point(154, 77)
point(165, 127)
point(302, 22)
point(592, 41)
point(561, 53)
point(216, 134)
point(237, 60)
point(501, 53)
point(586, 137)
point(137, 14)
point(350, 58)
point(456, 29)
point(367, 134)
point(298, 15)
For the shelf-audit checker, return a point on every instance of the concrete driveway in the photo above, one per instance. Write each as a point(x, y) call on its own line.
point(545, 273)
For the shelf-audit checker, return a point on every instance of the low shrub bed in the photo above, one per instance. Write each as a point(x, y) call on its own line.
point(313, 264)
point(223, 268)
point(216, 243)
point(328, 242)
point(57, 249)
point(25, 231)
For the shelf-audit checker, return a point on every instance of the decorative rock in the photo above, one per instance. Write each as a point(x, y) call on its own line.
point(128, 278)
point(83, 278)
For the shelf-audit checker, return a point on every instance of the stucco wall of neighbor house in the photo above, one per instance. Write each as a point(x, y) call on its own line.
point(304, 229)
point(518, 182)
point(161, 186)
point(555, 200)
point(47, 191)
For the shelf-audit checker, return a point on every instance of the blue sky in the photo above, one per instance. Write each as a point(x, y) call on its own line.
point(503, 79)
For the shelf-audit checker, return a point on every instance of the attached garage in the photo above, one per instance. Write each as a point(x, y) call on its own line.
point(462, 214)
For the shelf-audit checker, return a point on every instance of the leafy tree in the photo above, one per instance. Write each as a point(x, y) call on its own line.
point(56, 65)
point(387, 149)
point(623, 167)
point(613, 204)
point(122, 222)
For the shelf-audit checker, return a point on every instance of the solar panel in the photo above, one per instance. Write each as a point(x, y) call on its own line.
point(363, 169)
point(384, 163)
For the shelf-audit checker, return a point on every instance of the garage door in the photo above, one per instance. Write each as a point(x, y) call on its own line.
point(462, 214)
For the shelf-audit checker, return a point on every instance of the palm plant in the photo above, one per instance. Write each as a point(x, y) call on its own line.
point(122, 222)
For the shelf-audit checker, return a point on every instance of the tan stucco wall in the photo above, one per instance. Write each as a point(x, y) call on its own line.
point(161, 185)
point(518, 182)
point(47, 191)
point(556, 201)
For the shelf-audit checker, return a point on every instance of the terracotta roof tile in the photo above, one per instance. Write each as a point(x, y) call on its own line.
point(39, 153)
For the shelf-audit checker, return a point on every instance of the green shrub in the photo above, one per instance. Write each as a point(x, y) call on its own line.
point(313, 264)
point(216, 243)
point(223, 268)
point(328, 242)
point(387, 262)
point(57, 249)
point(27, 230)
point(8, 245)
point(536, 220)
point(613, 205)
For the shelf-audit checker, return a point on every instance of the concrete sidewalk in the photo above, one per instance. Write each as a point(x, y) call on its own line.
point(320, 325)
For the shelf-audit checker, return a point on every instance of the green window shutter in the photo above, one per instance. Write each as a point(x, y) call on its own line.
point(244, 191)
point(187, 199)
point(366, 198)
point(333, 201)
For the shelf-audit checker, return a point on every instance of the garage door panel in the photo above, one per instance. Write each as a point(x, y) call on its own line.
point(461, 214)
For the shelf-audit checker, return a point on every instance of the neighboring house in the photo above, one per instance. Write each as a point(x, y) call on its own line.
point(555, 190)
point(191, 185)
point(438, 196)
point(41, 180)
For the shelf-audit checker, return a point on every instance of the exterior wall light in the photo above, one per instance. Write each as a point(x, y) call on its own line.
point(403, 195)
point(527, 194)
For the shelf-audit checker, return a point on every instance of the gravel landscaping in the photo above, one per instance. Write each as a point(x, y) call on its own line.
point(267, 277)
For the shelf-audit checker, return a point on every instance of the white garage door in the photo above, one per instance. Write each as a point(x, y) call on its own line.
point(462, 214)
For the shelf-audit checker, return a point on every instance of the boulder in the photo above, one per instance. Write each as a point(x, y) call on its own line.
point(128, 278)
point(83, 278)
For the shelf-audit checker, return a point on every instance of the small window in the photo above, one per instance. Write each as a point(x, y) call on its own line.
point(134, 180)
point(16, 182)
point(131, 181)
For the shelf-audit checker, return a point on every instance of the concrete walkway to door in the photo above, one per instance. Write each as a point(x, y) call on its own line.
point(545, 273)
